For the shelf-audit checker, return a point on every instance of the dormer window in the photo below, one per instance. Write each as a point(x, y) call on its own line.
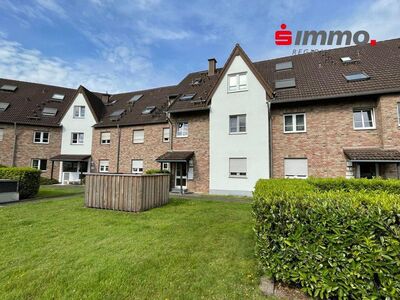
point(237, 82)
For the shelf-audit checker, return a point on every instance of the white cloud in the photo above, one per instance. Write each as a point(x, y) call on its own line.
point(115, 71)
point(51, 5)
point(151, 32)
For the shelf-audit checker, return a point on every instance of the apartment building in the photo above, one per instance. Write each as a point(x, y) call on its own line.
point(323, 114)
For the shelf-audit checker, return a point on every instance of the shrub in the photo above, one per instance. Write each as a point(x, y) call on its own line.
point(28, 178)
point(334, 244)
point(156, 171)
point(47, 181)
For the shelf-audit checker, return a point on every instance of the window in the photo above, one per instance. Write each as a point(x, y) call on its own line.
point(148, 110)
point(1, 134)
point(357, 76)
point(237, 124)
point(285, 83)
point(103, 166)
point(346, 59)
point(105, 138)
point(137, 166)
point(182, 129)
point(4, 106)
point(237, 82)
point(41, 137)
point(138, 136)
point(77, 138)
point(58, 97)
point(283, 66)
point(364, 119)
point(116, 115)
point(40, 164)
point(295, 123)
point(165, 166)
point(79, 112)
point(398, 113)
point(8, 88)
point(134, 98)
point(237, 167)
point(296, 168)
point(49, 111)
point(165, 135)
point(186, 97)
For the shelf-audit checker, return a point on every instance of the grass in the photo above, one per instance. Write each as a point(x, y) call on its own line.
point(188, 249)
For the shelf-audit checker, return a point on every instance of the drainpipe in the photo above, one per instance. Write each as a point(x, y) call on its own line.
point(171, 130)
point(14, 152)
point(118, 146)
point(270, 137)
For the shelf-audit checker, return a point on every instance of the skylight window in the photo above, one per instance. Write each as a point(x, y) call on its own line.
point(285, 83)
point(186, 97)
point(49, 111)
point(196, 81)
point(58, 97)
point(357, 76)
point(4, 106)
point(116, 115)
point(8, 88)
point(283, 66)
point(346, 59)
point(134, 98)
point(148, 110)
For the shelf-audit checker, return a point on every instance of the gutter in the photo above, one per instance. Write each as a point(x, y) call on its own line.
point(365, 93)
point(191, 109)
point(171, 131)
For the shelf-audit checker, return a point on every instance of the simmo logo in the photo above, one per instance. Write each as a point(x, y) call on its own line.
point(284, 37)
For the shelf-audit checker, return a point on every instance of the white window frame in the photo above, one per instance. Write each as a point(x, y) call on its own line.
point(398, 113)
point(237, 175)
point(1, 134)
point(137, 140)
point(238, 124)
point(77, 138)
point(39, 164)
point(137, 170)
point(294, 122)
point(81, 109)
point(104, 165)
point(182, 133)
point(41, 137)
point(166, 137)
point(105, 141)
point(166, 166)
point(362, 118)
point(238, 87)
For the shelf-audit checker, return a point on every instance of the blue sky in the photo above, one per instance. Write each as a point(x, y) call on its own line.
point(125, 45)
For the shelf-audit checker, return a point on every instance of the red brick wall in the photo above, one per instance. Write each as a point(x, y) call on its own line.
point(197, 141)
point(329, 130)
point(26, 149)
point(148, 151)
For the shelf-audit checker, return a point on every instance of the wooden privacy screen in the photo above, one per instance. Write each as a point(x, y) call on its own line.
point(126, 192)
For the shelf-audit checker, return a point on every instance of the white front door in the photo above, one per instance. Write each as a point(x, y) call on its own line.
point(180, 176)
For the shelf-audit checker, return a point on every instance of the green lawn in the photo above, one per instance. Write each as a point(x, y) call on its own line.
point(188, 249)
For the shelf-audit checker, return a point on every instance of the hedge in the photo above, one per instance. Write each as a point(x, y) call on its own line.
point(29, 180)
point(156, 171)
point(48, 181)
point(333, 244)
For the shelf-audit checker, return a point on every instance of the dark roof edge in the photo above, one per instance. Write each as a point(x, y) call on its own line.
point(29, 124)
point(129, 125)
point(189, 110)
point(375, 92)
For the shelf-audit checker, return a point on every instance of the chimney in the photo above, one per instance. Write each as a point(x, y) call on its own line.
point(105, 98)
point(212, 66)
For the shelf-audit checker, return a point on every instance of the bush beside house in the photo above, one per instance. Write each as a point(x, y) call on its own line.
point(332, 239)
point(28, 178)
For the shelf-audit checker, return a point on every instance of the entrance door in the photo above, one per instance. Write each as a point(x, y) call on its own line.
point(180, 170)
point(368, 170)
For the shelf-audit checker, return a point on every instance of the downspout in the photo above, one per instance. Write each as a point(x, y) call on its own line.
point(171, 130)
point(14, 145)
point(118, 146)
point(270, 137)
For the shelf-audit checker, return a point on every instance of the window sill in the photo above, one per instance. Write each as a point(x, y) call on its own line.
point(369, 128)
point(138, 143)
point(239, 91)
point(184, 136)
point(238, 177)
point(43, 143)
point(237, 133)
point(291, 132)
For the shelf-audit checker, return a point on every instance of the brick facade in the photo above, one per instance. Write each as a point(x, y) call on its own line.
point(329, 130)
point(197, 141)
point(26, 149)
point(148, 151)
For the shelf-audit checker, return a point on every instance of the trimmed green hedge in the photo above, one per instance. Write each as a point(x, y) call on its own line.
point(29, 180)
point(48, 181)
point(343, 243)
point(156, 171)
